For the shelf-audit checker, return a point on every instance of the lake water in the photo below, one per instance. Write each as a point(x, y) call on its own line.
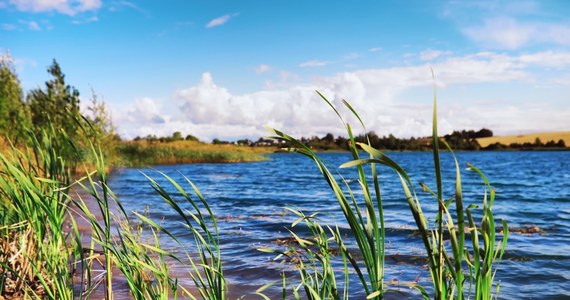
point(533, 191)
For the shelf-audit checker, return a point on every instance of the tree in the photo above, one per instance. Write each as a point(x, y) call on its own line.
point(100, 118)
point(328, 138)
point(484, 132)
point(14, 115)
point(57, 105)
point(191, 138)
point(177, 136)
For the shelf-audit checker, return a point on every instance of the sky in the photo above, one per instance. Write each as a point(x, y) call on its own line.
point(226, 69)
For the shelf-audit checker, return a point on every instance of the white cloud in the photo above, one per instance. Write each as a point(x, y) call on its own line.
point(430, 54)
point(381, 96)
point(563, 81)
point(263, 68)
point(314, 63)
point(556, 34)
point(502, 32)
point(142, 111)
point(68, 7)
point(375, 49)
point(510, 33)
point(220, 20)
point(119, 5)
point(547, 58)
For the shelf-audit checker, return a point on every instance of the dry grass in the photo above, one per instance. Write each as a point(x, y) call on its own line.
point(143, 153)
point(527, 138)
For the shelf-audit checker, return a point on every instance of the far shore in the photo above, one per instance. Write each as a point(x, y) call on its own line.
point(527, 138)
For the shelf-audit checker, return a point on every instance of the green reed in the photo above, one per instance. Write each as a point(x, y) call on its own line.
point(313, 259)
point(368, 229)
point(41, 250)
point(447, 267)
point(448, 260)
point(207, 270)
point(145, 264)
point(36, 245)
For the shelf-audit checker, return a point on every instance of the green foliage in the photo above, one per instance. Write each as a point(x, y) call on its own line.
point(536, 145)
point(207, 270)
point(313, 258)
point(177, 136)
point(146, 154)
point(100, 120)
point(451, 266)
point(367, 228)
point(57, 104)
point(42, 255)
point(34, 189)
point(192, 138)
point(14, 115)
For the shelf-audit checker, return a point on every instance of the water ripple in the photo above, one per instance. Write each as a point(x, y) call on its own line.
point(532, 193)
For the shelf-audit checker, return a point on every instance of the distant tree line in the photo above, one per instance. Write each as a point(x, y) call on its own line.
point(176, 136)
point(458, 140)
point(538, 144)
point(464, 140)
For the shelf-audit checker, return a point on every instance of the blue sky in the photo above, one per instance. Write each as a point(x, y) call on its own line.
point(227, 68)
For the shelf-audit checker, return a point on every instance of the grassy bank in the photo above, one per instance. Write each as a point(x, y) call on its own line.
point(144, 153)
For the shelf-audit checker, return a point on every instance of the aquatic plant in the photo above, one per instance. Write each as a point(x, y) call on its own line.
point(447, 263)
point(368, 229)
point(42, 254)
point(37, 246)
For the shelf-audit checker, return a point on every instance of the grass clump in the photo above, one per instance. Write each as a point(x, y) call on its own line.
point(43, 254)
point(36, 245)
point(453, 263)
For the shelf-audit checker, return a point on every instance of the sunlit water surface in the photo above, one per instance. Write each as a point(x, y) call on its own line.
point(533, 189)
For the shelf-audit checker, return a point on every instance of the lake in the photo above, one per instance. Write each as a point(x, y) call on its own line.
point(533, 193)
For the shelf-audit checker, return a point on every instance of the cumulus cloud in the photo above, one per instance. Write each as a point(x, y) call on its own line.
point(381, 96)
point(221, 20)
point(145, 110)
point(68, 7)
